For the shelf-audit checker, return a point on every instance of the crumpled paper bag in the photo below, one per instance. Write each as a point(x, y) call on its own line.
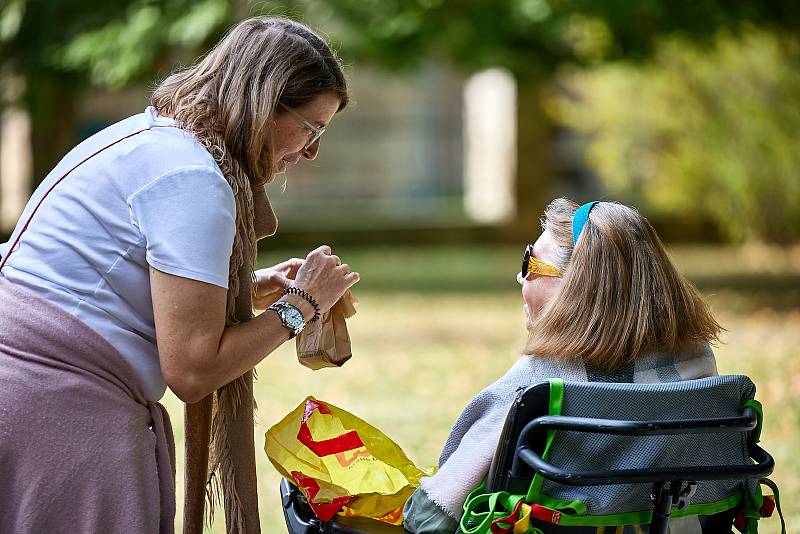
point(326, 342)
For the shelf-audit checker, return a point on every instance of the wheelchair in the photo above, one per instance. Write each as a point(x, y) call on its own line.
point(635, 456)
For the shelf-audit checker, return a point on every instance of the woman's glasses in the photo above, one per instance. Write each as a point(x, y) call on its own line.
point(314, 132)
point(533, 265)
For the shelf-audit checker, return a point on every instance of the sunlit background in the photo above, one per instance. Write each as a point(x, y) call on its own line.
point(466, 119)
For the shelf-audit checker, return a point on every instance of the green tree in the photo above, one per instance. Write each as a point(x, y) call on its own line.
point(531, 38)
point(59, 48)
point(713, 132)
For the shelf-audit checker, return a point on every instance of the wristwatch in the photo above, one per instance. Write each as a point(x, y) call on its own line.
point(291, 317)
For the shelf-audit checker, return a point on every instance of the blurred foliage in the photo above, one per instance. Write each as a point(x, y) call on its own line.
point(52, 51)
point(124, 49)
point(530, 36)
point(109, 43)
point(711, 131)
point(116, 41)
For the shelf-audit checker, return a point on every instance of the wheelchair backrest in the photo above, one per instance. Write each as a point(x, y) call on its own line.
point(721, 396)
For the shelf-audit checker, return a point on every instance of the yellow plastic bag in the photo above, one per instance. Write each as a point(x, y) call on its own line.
point(341, 463)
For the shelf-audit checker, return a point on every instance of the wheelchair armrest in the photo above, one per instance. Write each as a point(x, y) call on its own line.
point(526, 456)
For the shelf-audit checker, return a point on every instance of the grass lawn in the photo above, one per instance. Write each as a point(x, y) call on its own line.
point(435, 325)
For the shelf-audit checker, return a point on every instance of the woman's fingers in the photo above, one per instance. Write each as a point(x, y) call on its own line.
point(322, 274)
point(324, 254)
point(349, 277)
point(322, 249)
point(325, 277)
point(271, 281)
point(290, 267)
point(352, 278)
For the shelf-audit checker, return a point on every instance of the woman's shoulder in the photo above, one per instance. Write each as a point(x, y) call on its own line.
point(525, 372)
point(143, 147)
point(167, 148)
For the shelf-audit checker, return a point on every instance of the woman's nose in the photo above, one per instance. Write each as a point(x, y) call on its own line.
point(310, 152)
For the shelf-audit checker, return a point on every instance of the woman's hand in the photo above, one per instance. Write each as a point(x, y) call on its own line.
point(324, 277)
point(272, 280)
point(199, 353)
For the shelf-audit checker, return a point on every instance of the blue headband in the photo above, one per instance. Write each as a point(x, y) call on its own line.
point(580, 218)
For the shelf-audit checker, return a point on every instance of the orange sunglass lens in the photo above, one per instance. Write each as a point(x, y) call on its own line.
point(536, 266)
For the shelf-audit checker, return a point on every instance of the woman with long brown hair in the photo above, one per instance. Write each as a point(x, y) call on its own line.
point(603, 302)
point(132, 269)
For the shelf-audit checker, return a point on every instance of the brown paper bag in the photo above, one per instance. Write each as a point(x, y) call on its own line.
point(326, 343)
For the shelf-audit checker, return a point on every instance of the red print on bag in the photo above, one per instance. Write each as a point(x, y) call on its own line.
point(346, 442)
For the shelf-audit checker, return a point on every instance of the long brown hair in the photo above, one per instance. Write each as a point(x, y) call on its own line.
point(228, 99)
point(621, 296)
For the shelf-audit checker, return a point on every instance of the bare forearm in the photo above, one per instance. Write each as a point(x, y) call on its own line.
point(199, 353)
point(240, 348)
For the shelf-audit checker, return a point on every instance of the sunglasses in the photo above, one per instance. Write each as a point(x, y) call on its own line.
point(314, 132)
point(533, 265)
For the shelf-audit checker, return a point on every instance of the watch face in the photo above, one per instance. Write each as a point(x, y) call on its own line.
point(293, 316)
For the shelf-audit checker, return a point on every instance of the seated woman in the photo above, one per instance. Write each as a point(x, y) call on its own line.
point(603, 302)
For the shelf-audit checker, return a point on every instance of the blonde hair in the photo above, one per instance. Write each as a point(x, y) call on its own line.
point(620, 297)
point(228, 99)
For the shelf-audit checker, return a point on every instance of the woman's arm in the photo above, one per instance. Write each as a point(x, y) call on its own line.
point(198, 353)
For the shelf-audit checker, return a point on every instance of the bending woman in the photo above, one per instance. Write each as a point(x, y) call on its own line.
point(131, 269)
point(603, 303)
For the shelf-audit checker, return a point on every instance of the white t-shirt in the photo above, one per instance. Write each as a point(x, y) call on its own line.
point(155, 198)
